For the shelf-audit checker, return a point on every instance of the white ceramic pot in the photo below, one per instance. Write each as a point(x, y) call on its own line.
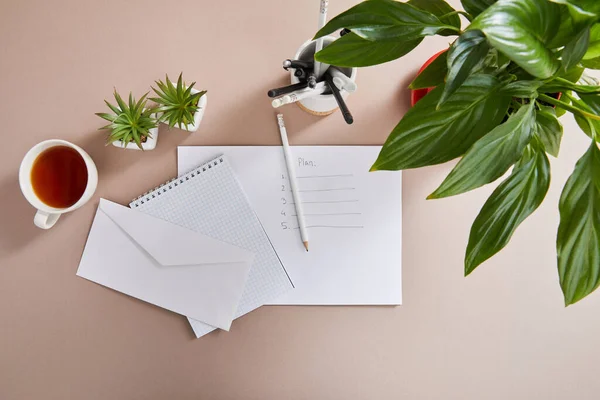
point(323, 104)
point(197, 115)
point(149, 144)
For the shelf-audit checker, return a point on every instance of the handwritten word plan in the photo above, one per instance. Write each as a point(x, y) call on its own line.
point(353, 216)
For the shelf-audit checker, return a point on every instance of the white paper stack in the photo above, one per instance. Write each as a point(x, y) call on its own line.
point(193, 246)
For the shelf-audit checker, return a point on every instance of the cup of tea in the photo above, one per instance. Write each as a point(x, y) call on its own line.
point(57, 177)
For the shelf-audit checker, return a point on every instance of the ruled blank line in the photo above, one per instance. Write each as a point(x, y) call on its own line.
point(325, 176)
point(332, 226)
point(333, 201)
point(325, 190)
point(311, 215)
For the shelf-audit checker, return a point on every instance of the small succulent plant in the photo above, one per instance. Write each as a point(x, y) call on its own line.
point(130, 122)
point(177, 104)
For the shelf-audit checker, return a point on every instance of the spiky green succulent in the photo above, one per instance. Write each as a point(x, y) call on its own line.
point(130, 122)
point(176, 103)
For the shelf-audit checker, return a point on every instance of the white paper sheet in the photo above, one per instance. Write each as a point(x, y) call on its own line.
point(354, 219)
point(165, 264)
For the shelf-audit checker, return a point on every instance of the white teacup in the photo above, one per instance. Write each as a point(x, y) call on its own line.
point(46, 215)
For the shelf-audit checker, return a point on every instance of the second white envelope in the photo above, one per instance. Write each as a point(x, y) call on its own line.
point(165, 264)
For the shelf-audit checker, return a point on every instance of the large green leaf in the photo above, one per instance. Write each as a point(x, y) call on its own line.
point(575, 50)
point(523, 89)
point(578, 240)
point(442, 10)
point(386, 20)
point(433, 75)
point(582, 11)
point(591, 104)
point(464, 57)
point(566, 30)
point(593, 101)
point(509, 205)
point(548, 129)
point(492, 155)
point(591, 59)
point(353, 51)
point(521, 29)
point(594, 63)
point(476, 7)
point(426, 136)
point(572, 75)
point(562, 85)
point(593, 50)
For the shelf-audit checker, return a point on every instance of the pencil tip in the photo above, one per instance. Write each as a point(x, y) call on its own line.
point(306, 245)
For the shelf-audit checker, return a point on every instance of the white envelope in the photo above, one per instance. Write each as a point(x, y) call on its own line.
point(165, 264)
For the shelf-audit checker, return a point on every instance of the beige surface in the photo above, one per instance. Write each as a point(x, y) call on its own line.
point(502, 333)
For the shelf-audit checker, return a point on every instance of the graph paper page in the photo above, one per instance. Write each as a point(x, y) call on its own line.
point(210, 200)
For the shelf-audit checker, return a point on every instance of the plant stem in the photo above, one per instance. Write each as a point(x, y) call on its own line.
point(453, 28)
point(568, 107)
point(457, 12)
point(568, 96)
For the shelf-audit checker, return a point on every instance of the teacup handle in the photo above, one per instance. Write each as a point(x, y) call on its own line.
point(45, 220)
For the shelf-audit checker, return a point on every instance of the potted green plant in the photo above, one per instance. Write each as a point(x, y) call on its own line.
point(491, 108)
point(416, 92)
point(180, 105)
point(132, 125)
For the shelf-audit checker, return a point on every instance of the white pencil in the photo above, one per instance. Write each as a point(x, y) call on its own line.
point(287, 154)
point(298, 95)
point(321, 68)
point(348, 85)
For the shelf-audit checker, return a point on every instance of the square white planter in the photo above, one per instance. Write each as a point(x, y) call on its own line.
point(149, 144)
point(197, 115)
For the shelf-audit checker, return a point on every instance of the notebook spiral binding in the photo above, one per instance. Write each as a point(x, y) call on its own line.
point(170, 184)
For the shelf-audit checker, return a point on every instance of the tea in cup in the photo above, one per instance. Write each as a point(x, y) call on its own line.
point(57, 177)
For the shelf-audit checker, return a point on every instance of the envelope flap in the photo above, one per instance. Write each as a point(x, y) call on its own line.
point(171, 244)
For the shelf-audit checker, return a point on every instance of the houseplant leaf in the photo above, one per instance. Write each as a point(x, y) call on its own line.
point(385, 20)
point(353, 51)
point(466, 54)
point(578, 240)
point(521, 29)
point(427, 137)
point(591, 104)
point(591, 59)
point(562, 85)
point(582, 10)
point(522, 89)
point(509, 205)
point(593, 50)
point(433, 75)
point(572, 74)
point(548, 129)
point(476, 7)
point(442, 10)
point(492, 155)
point(594, 63)
point(566, 30)
point(575, 50)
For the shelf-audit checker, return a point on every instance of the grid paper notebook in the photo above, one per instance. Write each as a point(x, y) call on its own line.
point(210, 200)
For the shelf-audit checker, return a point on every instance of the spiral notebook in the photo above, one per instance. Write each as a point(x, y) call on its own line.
point(210, 200)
